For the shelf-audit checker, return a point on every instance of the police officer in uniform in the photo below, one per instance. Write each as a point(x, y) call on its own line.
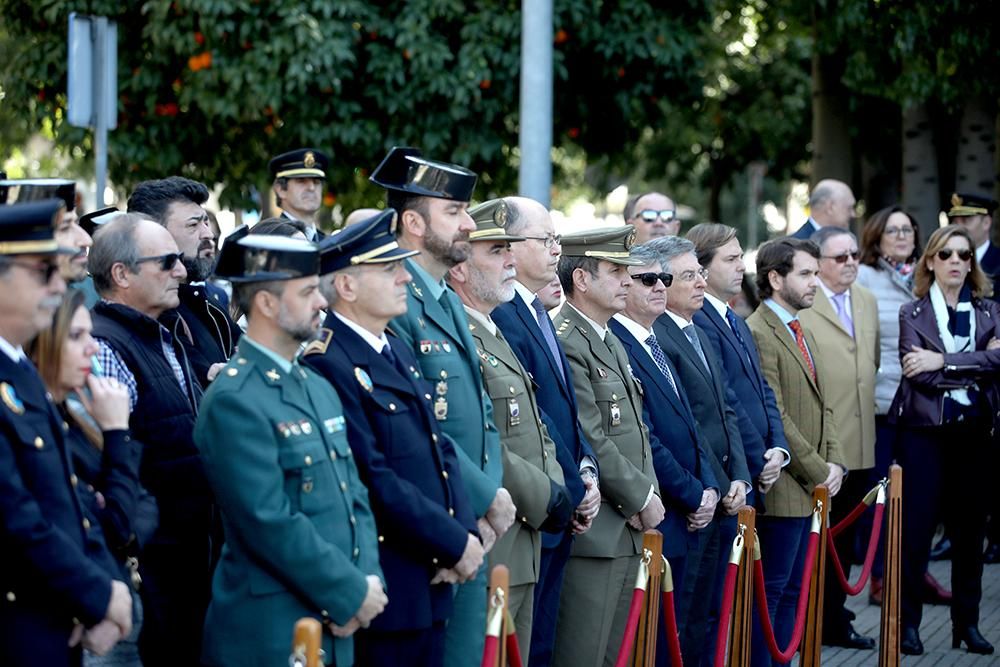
point(602, 567)
point(427, 532)
point(298, 178)
point(531, 470)
point(58, 576)
point(432, 199)
point(300, 536)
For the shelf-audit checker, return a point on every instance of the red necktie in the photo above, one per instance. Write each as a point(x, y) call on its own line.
point(800, 340)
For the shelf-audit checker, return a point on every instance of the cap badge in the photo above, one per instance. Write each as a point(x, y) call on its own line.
point(309, 161)
point(501, 216)
point(956, 200)
point(630, 239)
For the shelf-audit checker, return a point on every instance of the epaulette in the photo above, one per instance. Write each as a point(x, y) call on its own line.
point(319, 345)
point(563, 327)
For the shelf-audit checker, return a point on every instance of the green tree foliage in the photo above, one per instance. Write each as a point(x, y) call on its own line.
point(211, 88)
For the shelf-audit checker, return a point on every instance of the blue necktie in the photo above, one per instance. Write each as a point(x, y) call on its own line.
point(732, 319)
point(661, 361)
point(545, 324)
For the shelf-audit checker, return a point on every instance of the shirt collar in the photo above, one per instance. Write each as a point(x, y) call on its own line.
point(15, 353)
point(830, 293)
point(376, 342)
point(640, 332)
point(981, 250)
point(526, 295)
point(435, 287)
point(678, 320)
point(780, 311)
point(720, 306)
point(283, 364)
point(484, 320)
point(601, 331)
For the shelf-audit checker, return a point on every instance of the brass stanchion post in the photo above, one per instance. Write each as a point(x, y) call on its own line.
point(888, 654)
point(739, 639)
point(812, 641)
point(644, 654)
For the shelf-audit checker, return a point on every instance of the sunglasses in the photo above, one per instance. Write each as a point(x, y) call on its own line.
point(945, 254)
point(44, 270)
point(842, 259)
point(650, 215)
point(167, 262)
point(649, 279)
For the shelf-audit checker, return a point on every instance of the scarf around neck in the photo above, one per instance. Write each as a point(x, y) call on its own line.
point(957, 327)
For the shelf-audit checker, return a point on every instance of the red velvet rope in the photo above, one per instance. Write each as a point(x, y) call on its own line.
point(513, 649)
point(869, 555)
point(845, 523)
point(670, 626)
point(638, 597)
point(725, 615)
point(800, 614)
point(491, 651)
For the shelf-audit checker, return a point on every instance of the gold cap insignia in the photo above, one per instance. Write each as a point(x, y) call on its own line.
point(309, 161)
point(501, 216)
point(630, 239)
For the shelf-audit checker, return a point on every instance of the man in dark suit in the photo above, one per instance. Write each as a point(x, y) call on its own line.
point(831, 202)
point(688, 487)
point(702, 377)
point(530, 333)
point(427, 532)
point(201, 322)
point(747, 391)
point(299, 176)
point(58, 575)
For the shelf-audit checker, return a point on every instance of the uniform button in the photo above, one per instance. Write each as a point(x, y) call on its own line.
point(545, 455)
point(357, 552)
point(324, 613)
point(343, 486)
point(512, 390)
point(614, 397)
point(333, 455)
point(86, 523)
point(39, 443)
point(231, 372)
point(725, 457)
point(427, 396)
point(434, 560)
point(392, 406)
point(353, 520)
point(486, 458)
point(241, 361)
point(73, 480)
point(309, 460)
point(65, 426)
point(128, 438)
point(451, 511)
point(619, 507)
point(434, 437)
point(444, 473)
point(11, 597)
point(524, 519)
point(381, 538)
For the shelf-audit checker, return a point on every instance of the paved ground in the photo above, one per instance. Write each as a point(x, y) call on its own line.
point(935, 630)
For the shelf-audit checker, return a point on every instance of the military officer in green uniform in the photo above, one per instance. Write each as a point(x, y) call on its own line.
point(300, 537)
point(531, 471)
point(432, 199)
point(602, 567)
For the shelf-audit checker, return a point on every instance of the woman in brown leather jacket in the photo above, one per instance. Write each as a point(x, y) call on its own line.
point(947, 408)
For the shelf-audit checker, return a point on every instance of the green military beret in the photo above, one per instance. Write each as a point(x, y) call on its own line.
point(491, 218)
point(608, 243)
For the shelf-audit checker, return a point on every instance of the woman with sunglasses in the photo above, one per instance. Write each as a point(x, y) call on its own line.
point(946, 410)
point(95, 412)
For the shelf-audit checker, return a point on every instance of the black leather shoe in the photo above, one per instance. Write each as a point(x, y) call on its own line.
point(850, 639)
point(992, 555)
point(909, 642)
point(941, 550)
point(973, 639)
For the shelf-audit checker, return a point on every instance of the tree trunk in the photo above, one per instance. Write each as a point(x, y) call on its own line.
point(976, 160)
point(920, 168)
point(831, 138)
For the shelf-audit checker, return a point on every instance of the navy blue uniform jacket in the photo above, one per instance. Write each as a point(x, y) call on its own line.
point(422, 513)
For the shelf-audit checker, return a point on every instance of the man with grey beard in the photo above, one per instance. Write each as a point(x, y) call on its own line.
point(201, 321)
point(531, 471)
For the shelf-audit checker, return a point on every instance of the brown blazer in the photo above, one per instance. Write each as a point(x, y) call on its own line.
point(848, 367)
point(810, 429)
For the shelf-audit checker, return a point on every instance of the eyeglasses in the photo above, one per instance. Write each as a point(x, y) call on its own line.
point(842, 258)
point(689, 276)
point(167, 262)
point(44, 270)
point(649, 279)
point(650, 216)
point(945, 254)
point(898, 231)
point(547, 241)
